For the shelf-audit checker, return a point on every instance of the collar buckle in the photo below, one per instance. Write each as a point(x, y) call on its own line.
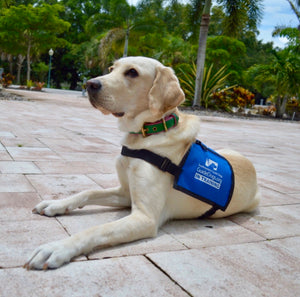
point(165, 124)
point(144, 131)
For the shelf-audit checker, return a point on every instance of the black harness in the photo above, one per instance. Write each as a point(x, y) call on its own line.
point(199, 177)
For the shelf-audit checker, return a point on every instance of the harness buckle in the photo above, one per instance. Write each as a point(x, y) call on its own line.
point(165, 164)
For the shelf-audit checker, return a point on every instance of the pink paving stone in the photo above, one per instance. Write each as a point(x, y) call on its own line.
point(291, 244)
point(18, 167)
point(106, 166)
point(251, 269)
point(64, 167)
point(22, 142)
point(32, 153)
point(5, 134)
point(4, 156)
point(18, 239)
point(89, 157)
point(61, 145)
point(79, 145)
point(105, 180)
point(48, 132)
point(205, 233)
point(15, 183)
point(272, 221)
point(131, 276)
point(271, 197)
point(285, 184)
point(61, 186)
point(18, 206)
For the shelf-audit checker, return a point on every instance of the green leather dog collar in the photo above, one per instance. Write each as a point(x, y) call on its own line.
point(162, 125)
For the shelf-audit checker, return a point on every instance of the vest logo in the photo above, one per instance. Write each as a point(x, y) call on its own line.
point(209, 163)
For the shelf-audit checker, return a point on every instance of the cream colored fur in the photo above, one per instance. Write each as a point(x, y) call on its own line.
point(147, 97)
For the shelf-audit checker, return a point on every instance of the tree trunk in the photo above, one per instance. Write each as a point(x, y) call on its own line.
point(28, 61)
point(201, 52)
point(280, 106)
point(125, 53)
point(10, 61)
point(21, 59)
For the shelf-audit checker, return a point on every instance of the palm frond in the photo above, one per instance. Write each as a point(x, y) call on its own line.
point(212, 81)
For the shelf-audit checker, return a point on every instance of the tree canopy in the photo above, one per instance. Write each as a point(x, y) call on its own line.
point(29, 30)
point(87, 36)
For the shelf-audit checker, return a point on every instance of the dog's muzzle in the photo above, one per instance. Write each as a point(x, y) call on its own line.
point(93, 86)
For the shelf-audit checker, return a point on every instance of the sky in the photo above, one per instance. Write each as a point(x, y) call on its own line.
point(276, 13)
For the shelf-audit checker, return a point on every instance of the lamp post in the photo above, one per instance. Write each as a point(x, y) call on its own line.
point(51, 52)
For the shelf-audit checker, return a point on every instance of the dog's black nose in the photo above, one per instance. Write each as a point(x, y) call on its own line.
point(93, 85)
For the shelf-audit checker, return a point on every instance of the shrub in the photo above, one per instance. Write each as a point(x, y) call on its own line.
point(29, 84)
point(38, 86)
point(7, 79)
point(292, 105)
point(237, 97)
point(270, 110)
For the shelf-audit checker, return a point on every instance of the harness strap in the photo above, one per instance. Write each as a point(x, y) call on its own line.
point(209, 213)
point(163, 164)
point(160, 162)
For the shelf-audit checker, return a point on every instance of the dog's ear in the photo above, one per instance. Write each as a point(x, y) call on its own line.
point(165, 93)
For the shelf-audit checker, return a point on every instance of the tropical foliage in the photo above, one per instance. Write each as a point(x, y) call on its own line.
point(28, 30)
point(211, 82)
point(238, 97)
point(6, 79)
point(87, 36)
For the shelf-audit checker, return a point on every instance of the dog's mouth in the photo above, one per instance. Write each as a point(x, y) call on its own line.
point(118, 114)
point(104, 110)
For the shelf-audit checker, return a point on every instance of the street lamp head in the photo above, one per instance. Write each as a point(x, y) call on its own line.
point(51, 52)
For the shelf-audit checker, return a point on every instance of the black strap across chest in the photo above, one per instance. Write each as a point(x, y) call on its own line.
point(160, 162)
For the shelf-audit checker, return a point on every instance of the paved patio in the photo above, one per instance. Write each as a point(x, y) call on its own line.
point(58, 144)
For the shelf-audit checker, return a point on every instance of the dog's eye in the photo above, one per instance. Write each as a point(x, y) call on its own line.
point(131, 73)
point(110, 69)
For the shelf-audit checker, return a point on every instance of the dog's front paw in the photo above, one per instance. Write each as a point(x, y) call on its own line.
point(51, 208)
point(49, 256)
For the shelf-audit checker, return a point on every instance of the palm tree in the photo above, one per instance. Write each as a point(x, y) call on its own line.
point(292, 34)
point(238, 15)
point(294, 7)
point(201, 52)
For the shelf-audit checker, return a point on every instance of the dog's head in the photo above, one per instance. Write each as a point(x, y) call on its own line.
point(136, 85)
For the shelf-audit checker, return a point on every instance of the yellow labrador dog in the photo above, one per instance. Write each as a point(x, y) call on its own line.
point(141, 90)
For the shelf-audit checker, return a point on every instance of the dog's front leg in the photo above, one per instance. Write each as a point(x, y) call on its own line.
point(133, 227)
point(118, 197)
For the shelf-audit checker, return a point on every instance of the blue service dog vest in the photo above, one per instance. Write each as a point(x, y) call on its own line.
point(206, 175)
point(202, 174)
